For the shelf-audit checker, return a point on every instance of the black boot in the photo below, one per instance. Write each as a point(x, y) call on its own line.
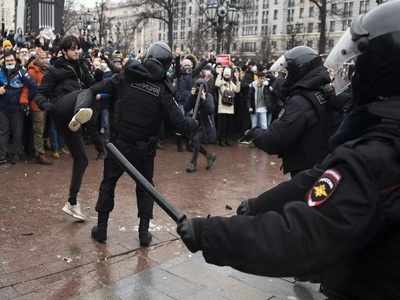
point(179, 143)
point(99, 232)
point(191, 168)
point(145, 236)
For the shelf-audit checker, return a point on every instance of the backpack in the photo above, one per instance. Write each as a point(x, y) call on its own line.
point(228, 97)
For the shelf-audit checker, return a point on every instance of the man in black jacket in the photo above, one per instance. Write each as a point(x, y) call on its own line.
point(338, 223)
point(58, 93)
point(141, 99)
point(300, 135)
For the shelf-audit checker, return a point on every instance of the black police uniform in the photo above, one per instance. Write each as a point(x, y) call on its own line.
point(300, 135)
point(142, 99)
point(337, 220)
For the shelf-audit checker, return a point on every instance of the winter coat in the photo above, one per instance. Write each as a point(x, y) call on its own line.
point(184, 81)
point(63, 78)
point(223, 85)
point(205, 117)
point(37, 75)
point(13, 83)
point(252, 97)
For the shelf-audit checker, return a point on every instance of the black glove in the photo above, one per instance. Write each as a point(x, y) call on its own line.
point(46, 106)
point(190, 232)
point(244, 209)
point(251, 134)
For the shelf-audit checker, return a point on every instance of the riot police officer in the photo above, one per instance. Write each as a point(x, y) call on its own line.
point(141, 97)
point(338, 223)
point(301, 133)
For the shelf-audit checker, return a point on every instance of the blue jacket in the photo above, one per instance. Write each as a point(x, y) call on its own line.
point(13, 83)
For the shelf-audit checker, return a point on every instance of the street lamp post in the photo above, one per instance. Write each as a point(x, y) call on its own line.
point(223, 15)
point(293, 31)
point(86, 23)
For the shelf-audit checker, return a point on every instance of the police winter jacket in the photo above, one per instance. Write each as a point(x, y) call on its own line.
point(339, 222)
point(300, 136)
point(141, 99)
point(13, 83)
point(62, 78)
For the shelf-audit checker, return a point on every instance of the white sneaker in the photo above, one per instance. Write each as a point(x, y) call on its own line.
point(74, 211)
point(81, 117)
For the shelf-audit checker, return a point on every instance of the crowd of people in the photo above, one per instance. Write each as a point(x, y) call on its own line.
point(239, 98)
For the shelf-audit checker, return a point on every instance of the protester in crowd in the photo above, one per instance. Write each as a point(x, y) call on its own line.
point(206, 132)
point(36, 70)
point(12, 79)
point(227, 90)
point(259, 102)
point(58, 94)
point(185, 73)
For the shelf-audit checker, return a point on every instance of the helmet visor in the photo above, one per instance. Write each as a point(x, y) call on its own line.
point(279, 67)
point(340, 61)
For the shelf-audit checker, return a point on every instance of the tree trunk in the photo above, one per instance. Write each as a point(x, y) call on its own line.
point(170, 30)
point(322, 34)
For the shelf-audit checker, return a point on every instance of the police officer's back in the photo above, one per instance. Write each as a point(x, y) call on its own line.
point(141, 99)
point(339, 222)
point(300, 135)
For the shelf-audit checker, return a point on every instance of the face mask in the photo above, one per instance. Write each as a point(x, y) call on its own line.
point(254, 69)
point(10, 67)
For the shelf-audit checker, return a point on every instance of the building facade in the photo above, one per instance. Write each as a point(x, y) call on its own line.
point(265, 29)
point(7, 14)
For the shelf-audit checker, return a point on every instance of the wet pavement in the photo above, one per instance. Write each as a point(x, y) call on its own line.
point(46, 255)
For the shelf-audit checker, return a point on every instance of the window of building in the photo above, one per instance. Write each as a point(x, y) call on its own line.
point(333, 8)
point(310, 27)
point(265, 4)
point(301, 12)
point(275, 14)
point(311, 12)
point(273, 45)
point(331, 43)
point(348, 9)
point(364, 7)
point(276, 2)
point(332, 26)
point(189, 22)
point(274, 29)
point(290, 15)
point(310, 43)
point(182, 35)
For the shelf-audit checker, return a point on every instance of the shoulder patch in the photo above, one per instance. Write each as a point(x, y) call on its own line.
point(147, 87)
point(320, 98)
point(323, 188)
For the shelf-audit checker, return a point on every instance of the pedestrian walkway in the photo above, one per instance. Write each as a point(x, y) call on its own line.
point(190, 277)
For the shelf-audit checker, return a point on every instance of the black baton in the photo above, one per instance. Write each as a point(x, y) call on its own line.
point(171, 211)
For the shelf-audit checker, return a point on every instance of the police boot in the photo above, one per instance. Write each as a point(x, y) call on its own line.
point(145, 236)
point(99, 232)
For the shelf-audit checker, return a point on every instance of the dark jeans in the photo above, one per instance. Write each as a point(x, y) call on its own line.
point(141, 155)
point(11, 123)
point(197, 146)
point(62, 114)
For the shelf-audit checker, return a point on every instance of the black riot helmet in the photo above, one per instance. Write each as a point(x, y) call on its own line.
point(296, 63)
point(159, 53)
point(372, 45)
